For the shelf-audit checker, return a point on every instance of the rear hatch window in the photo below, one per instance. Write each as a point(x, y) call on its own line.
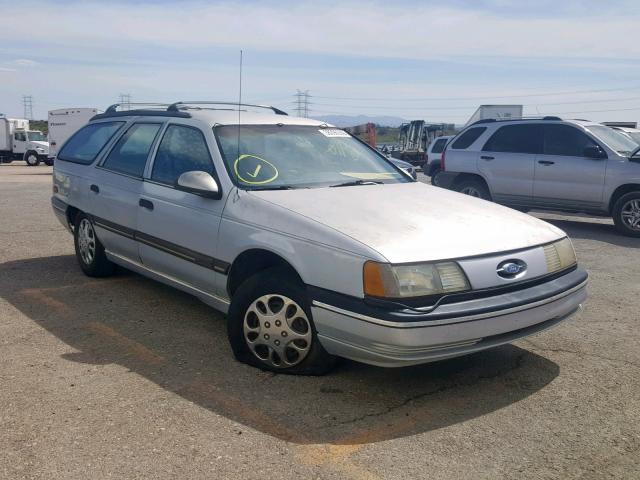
point(85, 145)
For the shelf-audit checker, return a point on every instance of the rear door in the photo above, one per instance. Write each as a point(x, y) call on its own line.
point(178, 231)
point(507, 162)
point(564, 177)
point(116, 189)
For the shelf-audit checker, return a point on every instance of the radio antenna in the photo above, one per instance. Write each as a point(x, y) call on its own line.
point(237, 162)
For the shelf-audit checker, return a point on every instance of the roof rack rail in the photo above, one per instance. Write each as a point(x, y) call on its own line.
point(177, 106)
point(517, 119)
point(114, 107)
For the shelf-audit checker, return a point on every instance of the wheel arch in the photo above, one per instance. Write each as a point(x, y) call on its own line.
point(471, 176)
point(620, 191)
point(255, 260)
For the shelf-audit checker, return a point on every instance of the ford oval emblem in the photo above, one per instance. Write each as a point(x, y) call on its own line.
point(511, 269)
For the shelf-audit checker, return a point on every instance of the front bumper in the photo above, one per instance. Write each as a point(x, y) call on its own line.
point(395, 339)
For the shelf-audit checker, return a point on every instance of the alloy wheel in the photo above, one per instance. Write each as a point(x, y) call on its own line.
point(630, 214)
point(471, 191)
point(277, 331)
point(86, 241)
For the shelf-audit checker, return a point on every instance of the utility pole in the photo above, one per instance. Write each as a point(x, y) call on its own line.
point(125, 101)
point(27, 103)
point(302, 103)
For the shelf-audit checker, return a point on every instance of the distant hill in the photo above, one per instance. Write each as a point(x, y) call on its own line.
point(352, 120)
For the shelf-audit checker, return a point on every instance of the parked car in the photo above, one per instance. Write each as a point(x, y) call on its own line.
point(406, 166)
point(434, 154)
point(632, 133)
point(550, 164)
point(302, 236)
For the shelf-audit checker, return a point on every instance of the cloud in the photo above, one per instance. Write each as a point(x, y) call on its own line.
point(23, 62)
point(420, 31)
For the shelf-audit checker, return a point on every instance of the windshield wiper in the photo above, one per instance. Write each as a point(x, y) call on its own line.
point(276, 187)
point(357, 182)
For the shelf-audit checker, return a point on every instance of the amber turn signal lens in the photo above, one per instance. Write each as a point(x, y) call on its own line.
point(373, 283)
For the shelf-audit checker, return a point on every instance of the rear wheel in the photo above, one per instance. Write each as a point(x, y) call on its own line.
point(474, 188)
point(626, 214)
point(32, 159)
point(89, 250)
point(270, 326)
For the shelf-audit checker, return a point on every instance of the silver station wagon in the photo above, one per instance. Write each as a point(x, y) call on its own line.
point(301, 234)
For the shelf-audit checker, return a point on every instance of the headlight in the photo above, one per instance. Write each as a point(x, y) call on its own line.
point(559, 255)
point(397, 281)
point(40, 149)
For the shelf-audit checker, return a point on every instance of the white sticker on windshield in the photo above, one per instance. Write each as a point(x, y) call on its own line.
point(333, 133)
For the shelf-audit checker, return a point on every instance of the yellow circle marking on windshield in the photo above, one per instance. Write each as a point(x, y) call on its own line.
point(256, 171)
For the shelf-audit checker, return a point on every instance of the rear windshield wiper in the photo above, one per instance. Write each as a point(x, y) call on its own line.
point(357, 182)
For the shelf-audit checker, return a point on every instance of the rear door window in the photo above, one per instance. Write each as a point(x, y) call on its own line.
point(565, 140)
point(129, 155)
point(85, 145)
point(525, 138)
point(468, 137)
point(438, 147)
point(182, 149)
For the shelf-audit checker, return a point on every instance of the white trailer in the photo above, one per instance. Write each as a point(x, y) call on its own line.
point(498, 112)
point(18, 142)
point(64, 122)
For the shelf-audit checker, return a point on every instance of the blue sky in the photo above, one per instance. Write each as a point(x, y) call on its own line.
point(431, 60)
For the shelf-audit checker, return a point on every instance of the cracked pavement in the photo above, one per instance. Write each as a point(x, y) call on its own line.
point(127, 378)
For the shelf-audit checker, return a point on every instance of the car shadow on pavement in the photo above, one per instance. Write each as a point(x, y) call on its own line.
point(601, 232)
point(180, 344)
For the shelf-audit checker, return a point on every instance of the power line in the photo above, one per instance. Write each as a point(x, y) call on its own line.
point(468, 107)
point(484, 97)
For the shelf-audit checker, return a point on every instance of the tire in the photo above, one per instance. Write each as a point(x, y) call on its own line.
point(474, 188)
point(273, 300)
point(626, 214)
point(433, 173)
point(32, 159)
point(89, 251)
point(49, 162)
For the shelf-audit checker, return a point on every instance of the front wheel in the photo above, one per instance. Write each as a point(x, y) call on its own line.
point(49, 162)
point(32, 159)
point(474, 188)
point(270, 326)
point(626, 214)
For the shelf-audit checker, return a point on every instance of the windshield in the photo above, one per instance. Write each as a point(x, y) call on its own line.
point(290, 156)
point(616, 140)
point(36, 136)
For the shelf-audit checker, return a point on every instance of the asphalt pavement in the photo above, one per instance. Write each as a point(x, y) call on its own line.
point(127, 378)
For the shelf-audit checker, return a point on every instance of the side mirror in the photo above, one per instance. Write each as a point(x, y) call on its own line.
point(200, 183)
point(595, 152)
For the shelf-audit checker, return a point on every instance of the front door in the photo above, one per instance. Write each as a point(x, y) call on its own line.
point(178, 230)
point(507, 162)
point(564, 177)
point(115, 191)
point(19, 142)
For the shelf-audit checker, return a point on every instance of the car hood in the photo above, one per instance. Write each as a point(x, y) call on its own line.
point(38, 143)
point(412, 222)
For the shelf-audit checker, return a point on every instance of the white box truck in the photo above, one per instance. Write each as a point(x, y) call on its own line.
point(19, 142)
point(63, 123)
point(498, 112)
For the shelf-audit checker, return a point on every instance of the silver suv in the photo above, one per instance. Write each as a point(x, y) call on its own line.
point(549, 163)
point(300, 233)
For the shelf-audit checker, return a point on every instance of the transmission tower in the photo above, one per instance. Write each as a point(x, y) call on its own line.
point(302, 103)
point(27, 102)
point(125, 101)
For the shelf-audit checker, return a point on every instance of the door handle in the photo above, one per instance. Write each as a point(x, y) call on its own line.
point(94, 188)
point(487, 157)
point(148, 204)
point(545, 162)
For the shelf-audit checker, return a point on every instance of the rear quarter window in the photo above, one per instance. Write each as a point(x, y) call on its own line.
point(438, 147)
point(85, 145)
point(467, 137)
